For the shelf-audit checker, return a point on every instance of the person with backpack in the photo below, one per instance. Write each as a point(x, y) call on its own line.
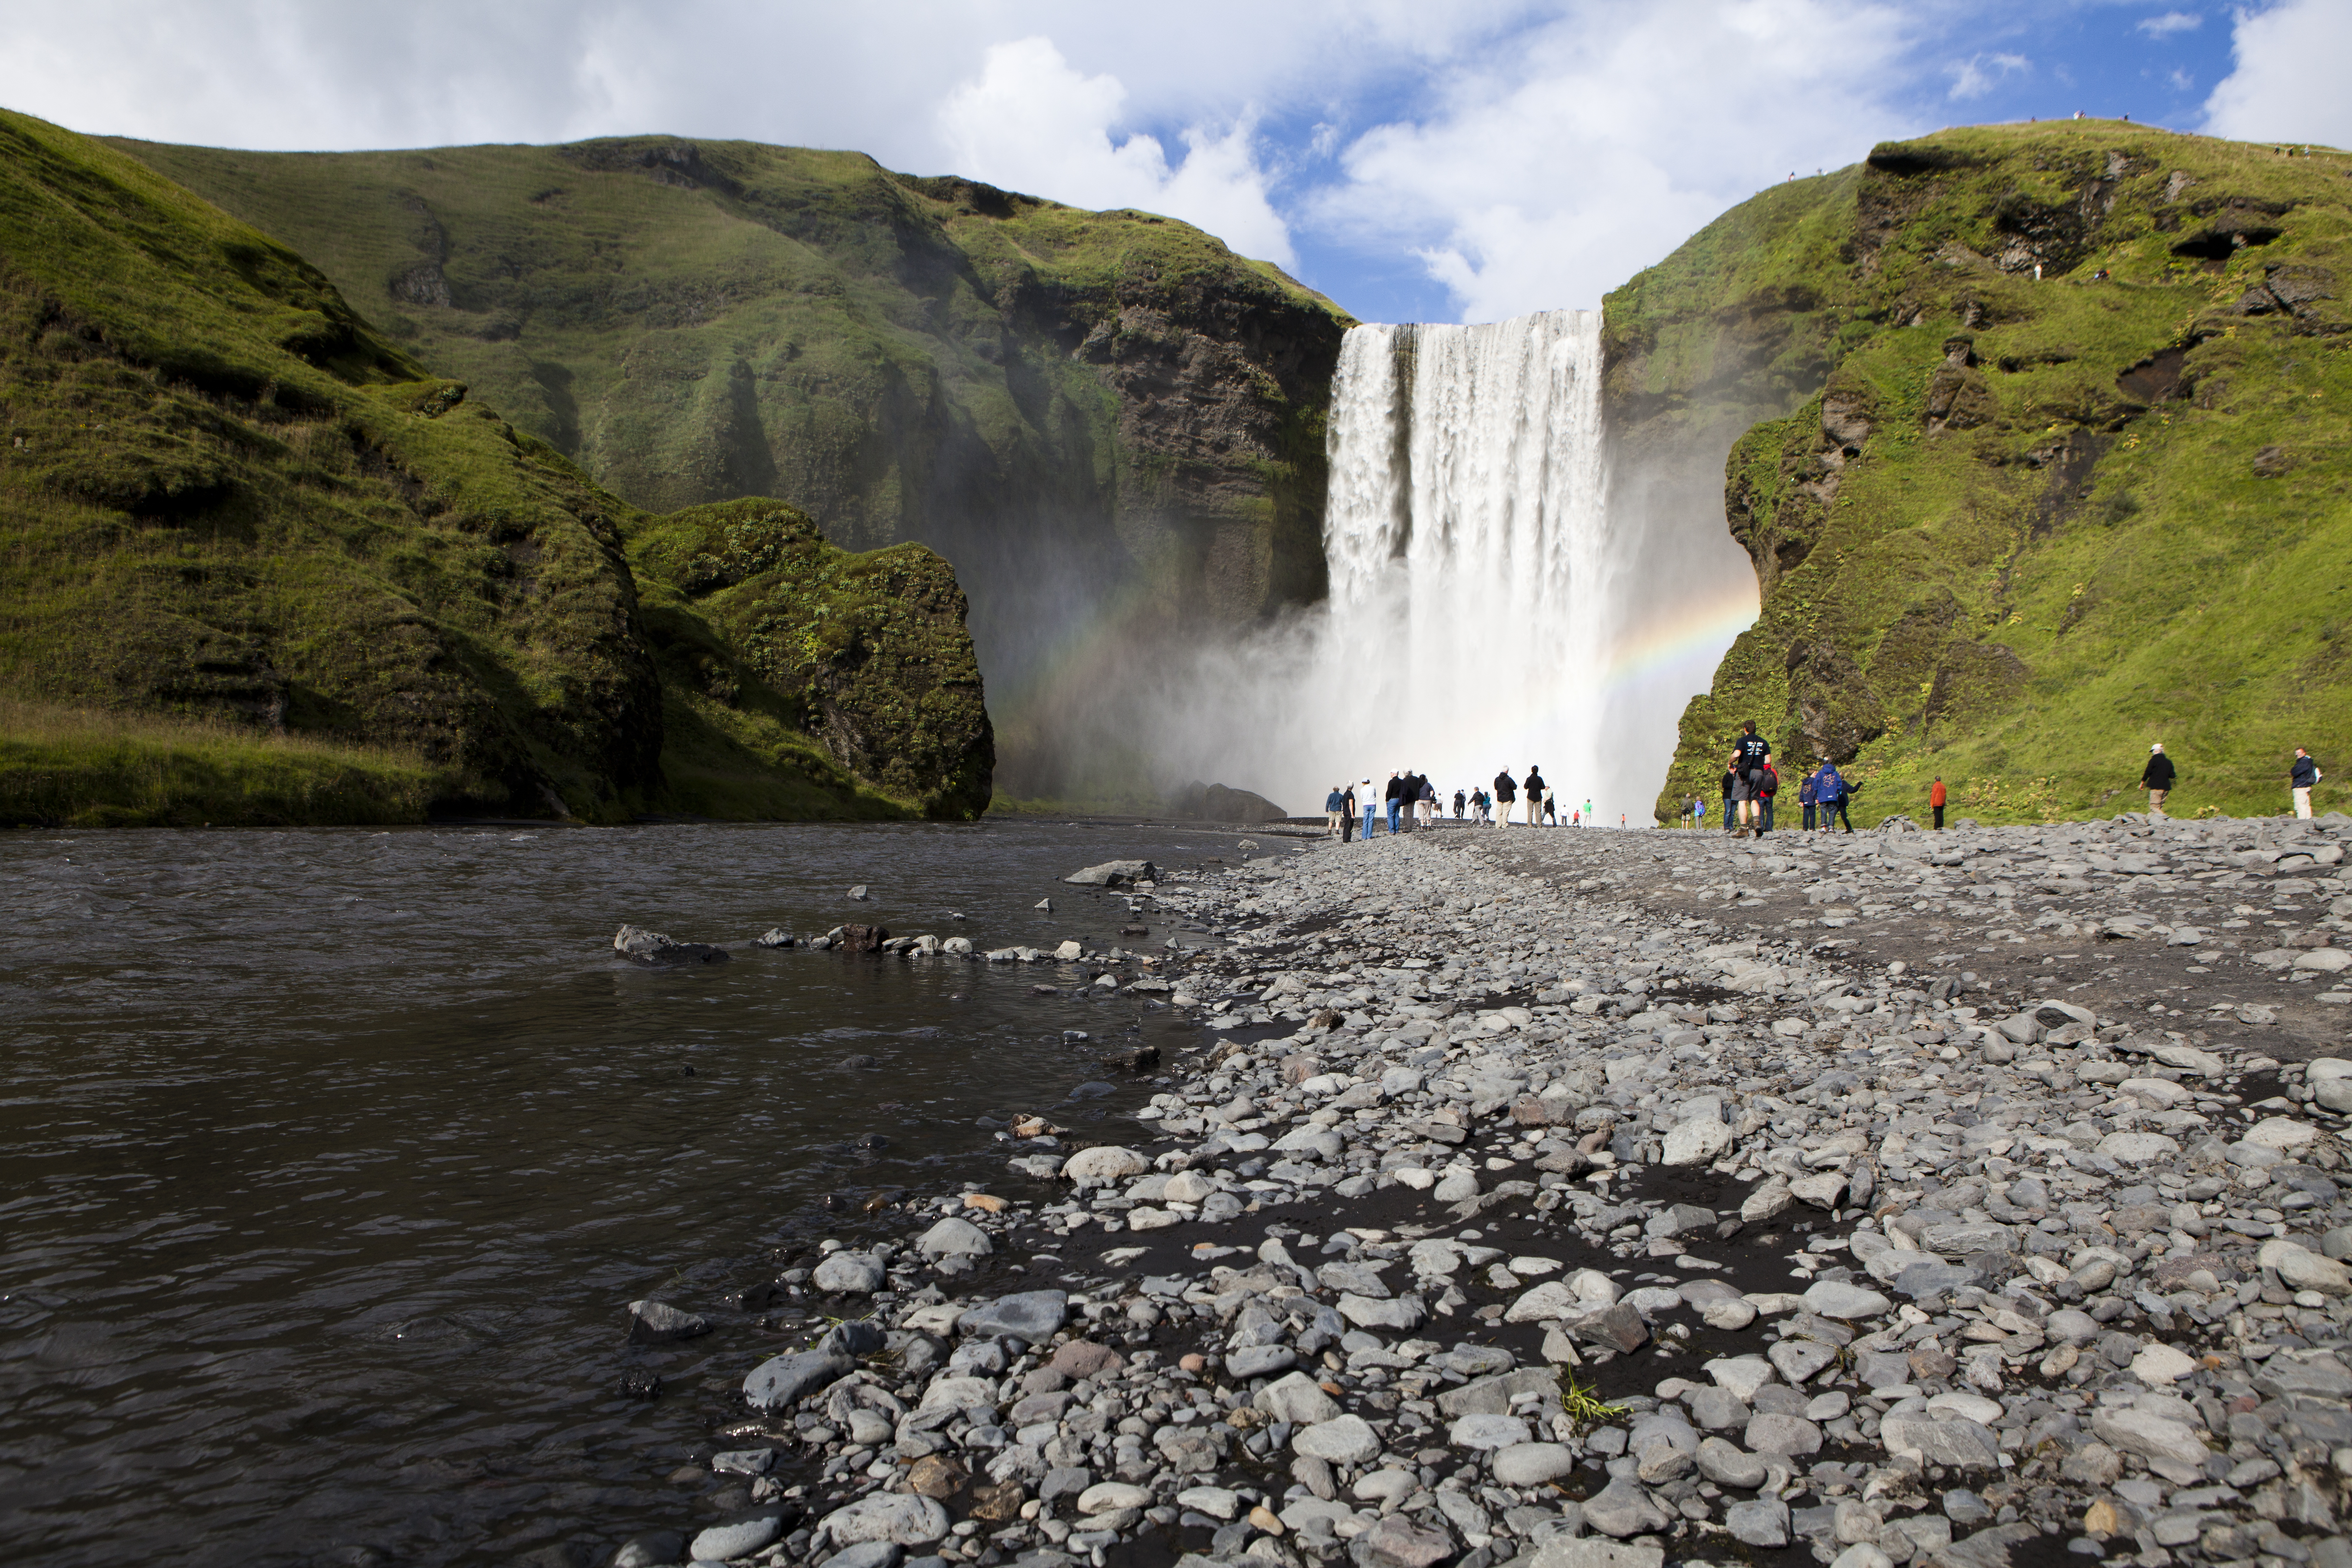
point(1805, 798)
point(1767, 785)
point(1457, 805)
point(2302, 778)
point(1834, 792)
point(2156, 779)
point(1506, 792)
point(1731, 791)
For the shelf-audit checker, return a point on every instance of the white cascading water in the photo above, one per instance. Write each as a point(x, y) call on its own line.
point(1467, 538)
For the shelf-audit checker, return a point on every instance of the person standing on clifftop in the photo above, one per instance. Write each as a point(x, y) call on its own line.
point(1936, 799)
point(2156, 779)
point(2302, 778)
point(1506, 792)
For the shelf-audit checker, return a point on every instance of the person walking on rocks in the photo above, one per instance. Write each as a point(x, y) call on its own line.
point(1346, 812)
point(1936, 799)
point(1551, 810)
point(1748, 755)
point(1534, 787)
point(1457, 805)
point(1833, 792)
point(2156, 779)
point(1767, 785)
point(2302, 778)
point(1805, 798)
point(1428, 803)
point(1506, 792)
point(1335, 807)
point(1730, 788)
point(1371, 799)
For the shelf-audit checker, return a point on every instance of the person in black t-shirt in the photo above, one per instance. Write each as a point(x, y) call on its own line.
point(1748, 755)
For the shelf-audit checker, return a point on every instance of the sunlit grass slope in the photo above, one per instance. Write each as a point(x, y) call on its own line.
point(2022, 528)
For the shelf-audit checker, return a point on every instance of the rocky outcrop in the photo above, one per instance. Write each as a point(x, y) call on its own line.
point(231, 500)
point(1108, 422)
point(1963, 404)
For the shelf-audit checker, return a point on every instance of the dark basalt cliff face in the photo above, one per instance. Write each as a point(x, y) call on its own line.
point(1107, 422)
point(2037, 438)
point(228, 499)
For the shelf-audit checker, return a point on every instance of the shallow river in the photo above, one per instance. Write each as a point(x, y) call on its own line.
point(328, 1158)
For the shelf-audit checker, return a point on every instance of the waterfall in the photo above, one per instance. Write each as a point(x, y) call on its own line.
point(1469, 624)
point(1494, 599)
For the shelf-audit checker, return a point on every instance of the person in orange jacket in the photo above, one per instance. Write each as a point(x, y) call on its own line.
point(1936, 799)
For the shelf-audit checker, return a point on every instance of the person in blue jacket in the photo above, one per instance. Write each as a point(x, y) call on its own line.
point(1832, 790)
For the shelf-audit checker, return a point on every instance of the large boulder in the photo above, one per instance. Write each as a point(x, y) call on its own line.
point(657, 1322)
point(779, 1380)
point(654, 950)
point(1115, 874)
point(1033, 1315)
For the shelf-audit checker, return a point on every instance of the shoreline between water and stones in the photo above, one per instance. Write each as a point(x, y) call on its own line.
point(1519, 1209)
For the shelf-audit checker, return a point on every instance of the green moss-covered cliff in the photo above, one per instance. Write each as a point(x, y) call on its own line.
point(1109, 422)
point(2049, 461)
point(331, 586)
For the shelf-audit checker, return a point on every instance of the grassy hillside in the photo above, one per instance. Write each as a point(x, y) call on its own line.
point(2020, 527)
point(1111, 424)
point(310, 581)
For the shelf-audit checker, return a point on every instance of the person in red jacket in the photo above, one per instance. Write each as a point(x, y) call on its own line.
point(1936, 799)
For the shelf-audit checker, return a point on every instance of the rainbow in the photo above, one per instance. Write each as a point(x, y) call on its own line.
point(1700, 631)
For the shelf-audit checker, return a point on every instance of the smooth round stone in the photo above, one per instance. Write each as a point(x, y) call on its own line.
point(2160, 1365)
point(1837, 1299)
point(1488, 1432)
point(722, 1541)
point(1532, 1464)
point(1104, 1497)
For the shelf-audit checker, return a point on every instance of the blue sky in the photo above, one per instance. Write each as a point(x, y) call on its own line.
point(1464, 162)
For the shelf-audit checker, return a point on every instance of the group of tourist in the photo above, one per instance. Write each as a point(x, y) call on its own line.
point(1751, 782)
point(1408, 800)
point(1751, 786)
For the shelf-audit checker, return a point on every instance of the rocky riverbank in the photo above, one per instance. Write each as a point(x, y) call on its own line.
point(1596, 1200)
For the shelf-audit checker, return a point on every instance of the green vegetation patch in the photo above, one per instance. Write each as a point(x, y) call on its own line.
point(2028, 525)
point(229, 500)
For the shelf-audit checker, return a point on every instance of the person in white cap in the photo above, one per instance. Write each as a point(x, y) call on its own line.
point(2157, 778)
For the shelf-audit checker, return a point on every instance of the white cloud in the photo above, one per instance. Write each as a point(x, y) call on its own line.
point(2172, 22)
point(1980, 74)
point(1031, 123)
point(2288, 84)
point(1557, 165)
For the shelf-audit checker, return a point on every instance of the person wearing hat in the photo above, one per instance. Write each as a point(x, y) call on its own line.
point(2157, 778)
point(1371, 799)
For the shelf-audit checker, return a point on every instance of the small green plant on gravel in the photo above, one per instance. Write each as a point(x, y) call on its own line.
point(1582, 1404)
